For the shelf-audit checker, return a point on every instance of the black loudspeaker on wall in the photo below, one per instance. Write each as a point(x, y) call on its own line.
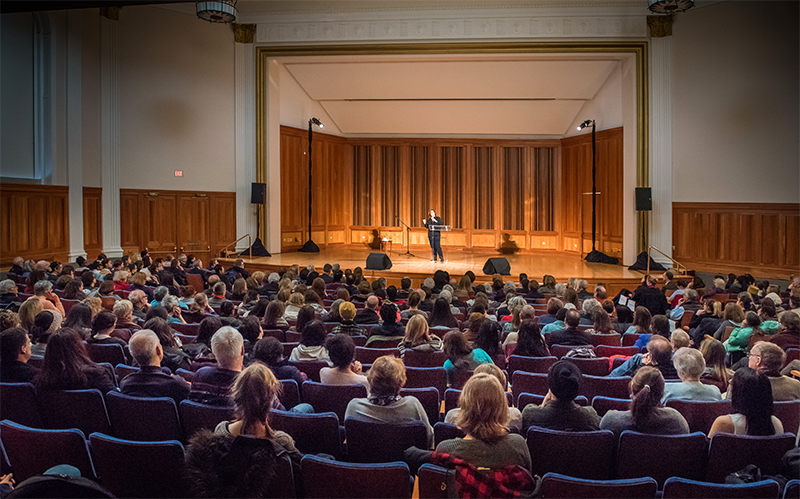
point(258, 193)
point(497, 266)
point(378, 261)
point(644, 199)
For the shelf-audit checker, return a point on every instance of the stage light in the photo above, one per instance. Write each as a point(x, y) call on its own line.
point(584, 125)
point(315, 121)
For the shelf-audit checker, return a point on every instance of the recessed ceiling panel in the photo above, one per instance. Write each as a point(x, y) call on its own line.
point(453, 117)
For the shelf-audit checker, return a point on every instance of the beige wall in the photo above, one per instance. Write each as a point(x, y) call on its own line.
point(176, 101)
point(90, 98)
point(735, 103)
point(297, 107)
point(605, 107)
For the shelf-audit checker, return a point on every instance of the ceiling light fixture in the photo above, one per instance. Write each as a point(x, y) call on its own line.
point(220, 11)
point(669, 6)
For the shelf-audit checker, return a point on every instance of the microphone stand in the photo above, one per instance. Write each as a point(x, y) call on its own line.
point(408, 237)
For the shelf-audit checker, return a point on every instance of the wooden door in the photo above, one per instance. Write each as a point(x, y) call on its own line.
point(160, 232)
point(194, 225)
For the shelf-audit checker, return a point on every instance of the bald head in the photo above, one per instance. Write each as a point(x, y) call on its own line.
point(146, 348)
point(660, 350)
point(372, 302)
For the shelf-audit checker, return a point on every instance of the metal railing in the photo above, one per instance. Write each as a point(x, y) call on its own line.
point(681, 268)
point(249, 245)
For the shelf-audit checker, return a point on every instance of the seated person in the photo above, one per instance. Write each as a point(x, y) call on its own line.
point(514, 416)
point(369, 314)
point(345, 370)
point(103, 325)
point(690, 365)
point(384, 403)
point(751, 400)
point(571, 335)
point(312, 344)
point(461, 357)
point(15, 352)
point(559, 410)
point(269, 351)
point(646, 414)
point(67, 365)
point(390, 329)
point(123, 310)
point(211, 384)
point(768, 358)
point(529, 341)
point(659, 355)
point(347, 312)
point(150, 380)
point(418, 337)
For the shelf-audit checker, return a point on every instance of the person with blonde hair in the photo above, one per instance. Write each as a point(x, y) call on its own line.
point(200, 304)
point(121, 280)
point(28, 312)
point(419, 338)
point(347, 325)
point(293, 306)
point(514, 414)
point(94, 303)
point(484, 418)
point(716, 371)
point(384, 403)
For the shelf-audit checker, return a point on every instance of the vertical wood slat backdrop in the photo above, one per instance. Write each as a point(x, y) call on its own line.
point(744, 237)
point(34, 222)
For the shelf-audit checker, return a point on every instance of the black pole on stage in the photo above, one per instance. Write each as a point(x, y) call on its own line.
point(310, 246)
point(595, 256)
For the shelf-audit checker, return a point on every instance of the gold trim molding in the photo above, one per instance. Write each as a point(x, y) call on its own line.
point(244, 33)
point(110, 13)
point(636, 48)
point(660, 26)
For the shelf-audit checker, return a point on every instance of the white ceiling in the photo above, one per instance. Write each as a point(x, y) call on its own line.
point(536, 95)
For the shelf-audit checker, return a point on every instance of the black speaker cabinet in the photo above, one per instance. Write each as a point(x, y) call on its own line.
point(497, 266)
point(378, 261)
point(644, 199)
point(258, 193)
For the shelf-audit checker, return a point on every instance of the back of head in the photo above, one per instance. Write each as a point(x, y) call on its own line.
point(103, 321)
point(564, 380)
point(484, 410)
point(347, 311)
point(386, 376)
point(64, 360)
point(772, 356)
point(388, 314)
point(268, 350)
point(417, 330)
point(227, 346)
point(305, 316)
point(12, 341)
point(642, 319)
point(790, 322)
point(494, 371)
point(143, 345)
point(689, 363)
point(250, 329)
point(660, 350)
point(44, 325)
point(751, 319)
point(660, 326)
point(751, 395)
point(554, 305)
point(253, 392)
point(313, 334)
point(456, 346)
point(372, 302)
point(680, 339)
point(341, 350)
point(647, 388)
point(572, 319)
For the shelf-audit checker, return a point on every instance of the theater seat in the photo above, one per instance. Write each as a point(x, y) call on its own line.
point(682, 488)
point(33, 451)
point(81, 409)
point(323, 478)
point(555, 485)
point(661, 456)
point(196, 416)
point(312, 433)
point(331, 398)
point(369, 442)
point(580, 454)
point(143, 418)
point(730, 453)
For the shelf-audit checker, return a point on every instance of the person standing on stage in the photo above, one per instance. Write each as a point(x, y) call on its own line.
point(434, 235)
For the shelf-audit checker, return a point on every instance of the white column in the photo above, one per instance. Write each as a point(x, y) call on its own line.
point(74, 158)
point(245, 137)
point(109, 135)
point(660, 77)
point(273, 140)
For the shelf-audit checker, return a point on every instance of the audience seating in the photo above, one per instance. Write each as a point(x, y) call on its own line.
point(614, 339)
point(686, 318)
point(370, 442)
point(446, 431)
point(25, 409)
point(522, 382)
point(312, 433)
point(792, 489)
point(123, 370)
point(108, 302)
point(112, 353)
point(608, 351)
point(288, 347)
point(422, 377)
point(33, 451)
point(385, 344)
point(584, 454)
point(188, 376)
point(290, 393)
point(555, 485)
point(68, 304)
point(292, 336)
point(629, 339)
point(602, 404)
point(700, 415)
point(529, 398)
point(530, 364)
point(123, 334)
point(730, 453)
point(432, 481)
point(331, 398)
point(605, 386)
point(323, 478)
point(560, 351)
point(792, 354)
point(596, 367)
point(195, 281)
point(413, 358)
point(788, 411)
point(278, 334)
point(682, 488)
point(367, 355)
point(429, 398)
point(139, 469)
point(143, 418)
point(661, 456)
point(195, 416)
point(81, 409)
point(310, 367)
point(185, 339)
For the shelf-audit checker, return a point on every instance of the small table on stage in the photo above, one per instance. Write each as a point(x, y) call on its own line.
point(442, 228)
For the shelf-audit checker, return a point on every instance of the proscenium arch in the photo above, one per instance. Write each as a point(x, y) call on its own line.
point(638, 49)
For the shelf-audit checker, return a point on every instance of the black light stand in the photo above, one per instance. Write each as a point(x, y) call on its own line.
point(595, 256)
point(408, 238)
point(310, 246)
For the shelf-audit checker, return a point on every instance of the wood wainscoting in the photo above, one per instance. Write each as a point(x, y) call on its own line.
point(760, 238)
point(177, 222)
point(92, 221)
point(34, 222)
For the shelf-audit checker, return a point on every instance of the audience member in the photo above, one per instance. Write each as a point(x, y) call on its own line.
point(67, 366)
point(123, 310)
point(211, 384)
point(15, 352)
point(768, 358)
point(788, 336)
point(43, 291)
point(751, 400)
point(269, 351)
point(174, 357)
point(690, 365)
point(46, 323)
point(488, 340)
point(419, 338)
point(441, 315)
point(571, 335)
point(347, 312)
point(312, 344)
point(716, 372)
point(389, 329)
point(558, 410)
point(368, 315)
point(273, 317)
point(345, 370)
point(659, 355)
point(530, 342)
point(642, 319)
point(461, 357)
point(514, 415)
point(103, 325)
point(150, 380)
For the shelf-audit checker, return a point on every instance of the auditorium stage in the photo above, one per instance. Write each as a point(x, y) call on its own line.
point(457, 261)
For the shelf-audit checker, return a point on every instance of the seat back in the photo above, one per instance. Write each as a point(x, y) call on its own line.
point(310, 367)
point(112, 353)
point(279, 334)
point(190, 329)
point(608, 351)
point(529, 398)
point(432, 482)
point(730, 453)
point(556, 485)
point(613, 339)
point(388, 344)
point(312, 433)
point(292, 336)
point(323, 478)
point(595, 367)
point(123, 370)
point(195, 281)
point(331, 398)
point(662, 456)
point(605, 386)
point(81, 409)
point(370, 442)
point(446, 431)
point(429, 398)
point(788, 411)
point(290, 393)
point(602, 404)
point(683, 488)
point(530, 364)
point(522, 382)
point(792, 354)
point(367, 355)
point(19, 404)
point(580, 454)
point(139, 469)
point(423, 377)
point(196, 416)
point(700, 415)
point(143, 418)
point(33, 451)
point(792, 489)
point(560, 351)
point(414, 358)
point(629, 339)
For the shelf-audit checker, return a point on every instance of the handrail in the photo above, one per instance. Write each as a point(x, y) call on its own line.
point(173, 250)
point(675, 264)
point(249, 244)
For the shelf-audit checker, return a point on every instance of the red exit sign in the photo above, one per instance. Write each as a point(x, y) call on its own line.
point(179, 173)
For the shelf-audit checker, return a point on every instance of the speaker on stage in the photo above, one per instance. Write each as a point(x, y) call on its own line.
point(497, 266)
point(378, 261)
point(644, 199)
point(258, 193)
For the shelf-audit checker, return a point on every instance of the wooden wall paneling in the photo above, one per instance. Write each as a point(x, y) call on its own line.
point(222, 231)
point(131, 212)
point(337, 185)
point(790, 251)
point(513, 188)
point(294, 186)
point(453, 175)
point(194, 225)
point(362, 185)
point(93, 220)
point(486, 178)
point(160, 230)
point(389, 185)
point(24, 203)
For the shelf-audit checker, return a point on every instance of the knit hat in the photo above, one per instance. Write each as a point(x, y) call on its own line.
point(753, 290)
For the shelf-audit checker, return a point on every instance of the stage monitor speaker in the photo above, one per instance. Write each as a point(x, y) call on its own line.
point(378, 261)
point(644, 199)
point(258, 193)
point(497, 266)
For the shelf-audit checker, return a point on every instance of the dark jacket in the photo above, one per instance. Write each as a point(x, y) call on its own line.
point(17, 372)
point(367, 316)
point(211, 385)
point(652, 299)
point(570, 336)
point(151, 381)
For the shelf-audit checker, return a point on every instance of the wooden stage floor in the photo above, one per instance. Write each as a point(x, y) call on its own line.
point(561, 265)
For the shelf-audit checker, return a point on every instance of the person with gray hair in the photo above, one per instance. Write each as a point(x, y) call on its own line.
point(211, 384)
point(690, 365)
point(9, 294)
point(138, 299)
point(768, 358)
point(158, 295)
point(588, 307)
point(448, 296)
point(150, 380)
point(688, 302)
point(123, 310)
point(173, 307)
point(43, 291)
